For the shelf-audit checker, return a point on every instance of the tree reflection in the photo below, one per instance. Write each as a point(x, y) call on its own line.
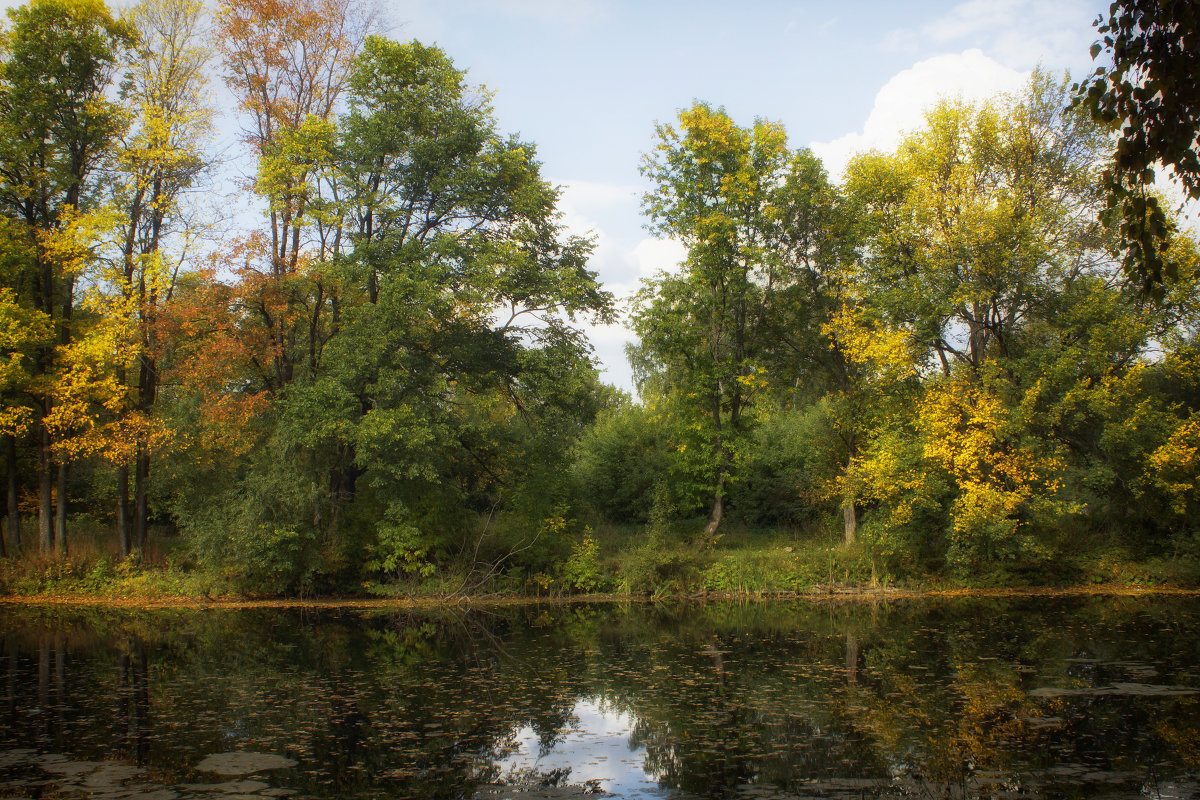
point(931, 698)
point(133, 701)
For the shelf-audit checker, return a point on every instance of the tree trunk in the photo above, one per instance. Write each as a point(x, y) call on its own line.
point(45, 492)
point(11, 683)
point(147, 395)
point(850, 517)
point(718, 508)
point(60, 516)
point(851, 658)
point(43, 674)
point(14, 511)
point(124, 523)
point(141, 519)
point(133, 709)
point(64, 338)
point(4, 545)
point(718, 512)
point(60, 686)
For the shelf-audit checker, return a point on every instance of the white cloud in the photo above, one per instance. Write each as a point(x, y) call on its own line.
point(620, 267)
point(1187, 211)
point(427, 19)
point(901, 104)
point(658, 255)
point(805, 28)
point(650, 257)
point(583, 205)
point(596, 747)
point(587, 208)
point(973, 17)
point(588, 195)
point(1018, 33)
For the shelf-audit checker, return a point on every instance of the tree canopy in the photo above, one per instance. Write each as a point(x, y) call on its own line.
point(934, 367)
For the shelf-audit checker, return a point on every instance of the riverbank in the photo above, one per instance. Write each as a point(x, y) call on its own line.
point(623, 565)
point(815, 594)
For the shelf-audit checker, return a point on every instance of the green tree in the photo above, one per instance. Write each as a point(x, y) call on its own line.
point(620, 459)
point(159, 159)
point(434, 363)
point(977, 219)
point(988, 285)
point(715, 187)
point(743, 319)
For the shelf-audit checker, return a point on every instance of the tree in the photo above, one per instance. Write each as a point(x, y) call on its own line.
point(1150, 94)
point(57, 125)
point(712, 190)
point(975, 226)
point(23, 332)
point(992, 307)
point(976, 220)
point(744, 315)
point(288, 64)
point(160, 159)
point(459, 286)
point(401, 369)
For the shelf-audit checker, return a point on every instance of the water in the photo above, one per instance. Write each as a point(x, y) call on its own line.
point(1016, 698)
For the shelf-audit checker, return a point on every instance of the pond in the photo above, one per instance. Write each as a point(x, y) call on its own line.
point(947, 698)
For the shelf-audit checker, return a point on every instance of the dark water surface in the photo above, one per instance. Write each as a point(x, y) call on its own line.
point(1013, 698)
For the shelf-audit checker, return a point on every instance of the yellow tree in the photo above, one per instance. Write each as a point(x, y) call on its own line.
point(161, 158)
point(879, 366)
point(23, 332)
point(977, 228)
point(978, 219)
point(57, 125)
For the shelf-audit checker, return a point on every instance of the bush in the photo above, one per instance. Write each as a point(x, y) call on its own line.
point(618, 463)
point(783, 472)
point(581, 572)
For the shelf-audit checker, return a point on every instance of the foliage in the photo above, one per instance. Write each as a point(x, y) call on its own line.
point(1149, 94)
point(385, 381)
point(582, 572)
point(400, 397)
point(789, 470)
point(620, 459)
point(751, 214)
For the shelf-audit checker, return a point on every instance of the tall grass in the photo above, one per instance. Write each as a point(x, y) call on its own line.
point(91, 565)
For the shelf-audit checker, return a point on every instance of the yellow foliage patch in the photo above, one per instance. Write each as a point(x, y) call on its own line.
point(972, 434)
point(1175, 465)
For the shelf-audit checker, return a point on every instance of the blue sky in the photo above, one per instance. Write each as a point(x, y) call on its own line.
point(587, 80)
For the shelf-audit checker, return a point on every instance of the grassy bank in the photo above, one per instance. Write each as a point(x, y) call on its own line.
point(610, 562)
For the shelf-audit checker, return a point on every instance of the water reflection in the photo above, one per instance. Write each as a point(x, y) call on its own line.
point(956, 699)
point(594, 751)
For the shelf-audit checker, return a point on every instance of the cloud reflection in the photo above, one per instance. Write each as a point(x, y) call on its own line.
point(595, 748)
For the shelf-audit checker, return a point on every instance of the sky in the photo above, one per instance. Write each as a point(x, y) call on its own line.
point(588, 80)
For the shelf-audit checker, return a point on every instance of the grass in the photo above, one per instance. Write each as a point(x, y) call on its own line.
point(628, 561)
point(92, 567)
point(745, 560)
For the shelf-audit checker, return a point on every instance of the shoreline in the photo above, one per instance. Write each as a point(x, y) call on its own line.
point(817, 594)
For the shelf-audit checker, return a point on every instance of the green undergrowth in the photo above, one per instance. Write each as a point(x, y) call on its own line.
point(91, 567)
point(743, 560)
point(658, 560)
point(106, 576)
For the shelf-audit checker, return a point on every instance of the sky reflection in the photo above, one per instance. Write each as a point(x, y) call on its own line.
point(595, 747)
